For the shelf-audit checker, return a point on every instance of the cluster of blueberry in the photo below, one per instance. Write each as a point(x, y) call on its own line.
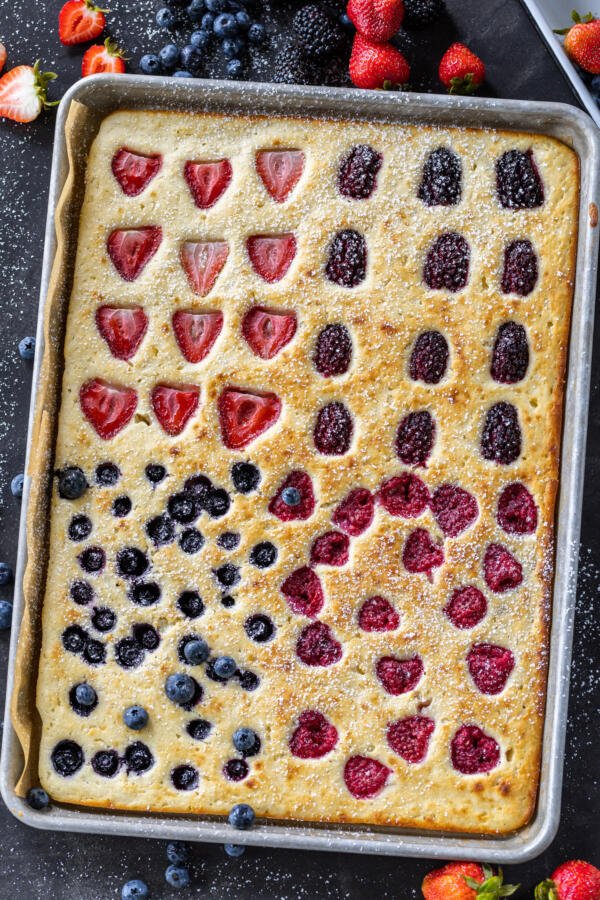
point(226, 22)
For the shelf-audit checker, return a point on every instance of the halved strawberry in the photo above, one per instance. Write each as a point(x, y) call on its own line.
point(244, 415)
point(107, 407)
point(2, 55)
point(100, 58)
point(207, 181)
point(267, 332)
point(280, 171)
point(130, 249)
point(134, 171)
point(174, 405)
point(196, 332)
point(23, 93)
point(122, 329)
point(202, 262)
point(80, 21)
point(271, 255)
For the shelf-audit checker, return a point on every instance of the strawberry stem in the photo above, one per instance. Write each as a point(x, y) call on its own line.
point(493, 887)
point(41, 82)
point(93, 8)
point(113, 49)
point(546, 890)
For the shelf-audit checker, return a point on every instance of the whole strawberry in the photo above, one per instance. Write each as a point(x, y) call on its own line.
point(574, 880)
point(582, 42)
point(375, 65)
point(461, 71)
point(377, 20)
point(465, 881)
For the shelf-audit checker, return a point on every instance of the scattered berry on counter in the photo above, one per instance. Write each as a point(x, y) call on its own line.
point(235, 67)
point(165, 18)
point(317, 32)
point(377, 65)
point(23, 93)
point(200, 39)
point(135, 717)
point(224, 667)
point(191, 59)
point(169, 57)
point(234, 850)
point(582, 42)
point(6, 610)
point(178, 853)
point(421, 13)
point(177, 877)
point(242, 817)
point(135, 890)
point(257, 34)
point(72, 483)
point(462, 879)
point(27, 348)
point(80, 21)
point(573, 880)
point(460, 70)
point(376, 21)
point(292, 67)
point(37, 798)
point(16, 485)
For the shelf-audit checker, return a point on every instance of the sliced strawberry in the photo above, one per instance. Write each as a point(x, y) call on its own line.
point(303, 497)
point(23, 93)
point(267, 332)
point(271, 255)
point(202, 262)
point(196, 332)
point(174, 405)
point(365, 777)
point(123, 329)
point(280, 171)
point(134, 171)
point(80, 21)
point(2, 55)
point(100, 58)
point(107, 407)
point(245, 415)
point(207, 181)
point(130, 249)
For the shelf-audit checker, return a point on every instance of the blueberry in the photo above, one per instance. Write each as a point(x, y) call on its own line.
point(257, 34)
point(243, 20)
point(144, 593)
point(135, 717)
point(80, 528)
point(198, 729)
point(5, 573)
point(72, 483)
point(248, 681)
point(345, 21)
point(128, 653)
point(85, 695)
point(81, 592)
point(121, 507)
point(74, 638)
point(169, 56)
point(242, 816)
point(38, 798)
point(263, 555)
point(224, 667)
point(225, 25)
point(16, 485)
point(246, 741)
point(195, 12)
point(217, 503)
point(199, 487)
point(155, 473)
point(200, 39)
point(92, 560)
point(94, 652)
point(291, 496)
point(208, 20)
point(183, 508)
point(150, 64)
point(196, 652)
point(160, 530)
point(245, 477)
point(229, 540)
point(180, 73)
point(227, 601)
point(177, 877)
point(106, 763)
point(227, 575)
point(191, 540)
point(135, 890)
point(107, 474)
point(215, 6)
point(146, 636)
point(165, 18)
point(67, 758)
point(5, 615)
point(234, 850)
point(229, 48)
point(131, 562)
point(259, 628)
point(185, 778)
point(27, 348)
point(179, 688)
point(138, 758)
point(104, 619)
point(191, 605)
point(178, 852)
point(234, 68)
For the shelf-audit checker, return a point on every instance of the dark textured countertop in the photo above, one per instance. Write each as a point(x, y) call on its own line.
point(36, 864)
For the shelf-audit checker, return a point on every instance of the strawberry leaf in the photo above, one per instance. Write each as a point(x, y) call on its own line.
point(546, 890)
point(493, 888)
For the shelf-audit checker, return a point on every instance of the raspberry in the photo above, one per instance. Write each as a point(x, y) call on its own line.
point(454, 509)
point(466, 607)
point(474, 751)
point(409, 737)
point(333, 351)
point(317, 646)
point(415, 438)
point(420, 13)
point(517, 511)
point(378, 614)
point(304, 593)
point(501, 435)
point(302, 482)
point(365, 777)
point(398, 676)
point(442, 176)
point(510, 358)
point(447, 263)
point(421, 553)
point(518, 181)
point(333, 429)
point(355, 512)
point(314, 737)
point(490, 667)
point(502, 572)
point(357, 177)
point(520, 272)
point(404, 495)
point(429, 358)
point(347, 263)
point(318, 34)
point(330, 549)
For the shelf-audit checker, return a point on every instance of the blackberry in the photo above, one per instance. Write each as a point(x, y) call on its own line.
point(333, 351)
point(510, 357)
point(291, 67)
point(441, 184)
point(501, 435)
point(333, 429)
point(347, 262)
point(429, 357)
point(518, 181)
point(420, 13)
point(520, 271)
point(357, 176)
point(447, 263)
point(318, 34)
point(415, 438)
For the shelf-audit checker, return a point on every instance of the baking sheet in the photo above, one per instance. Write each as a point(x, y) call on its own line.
point(76, 127)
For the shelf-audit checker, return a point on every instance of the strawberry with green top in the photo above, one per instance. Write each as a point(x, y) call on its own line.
point(574, 880)
point(582, 42)
point(23, 93)
point(100, 58)
point(461, 71)
point(465, 881)
point(374, 65)
point(376, 20)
